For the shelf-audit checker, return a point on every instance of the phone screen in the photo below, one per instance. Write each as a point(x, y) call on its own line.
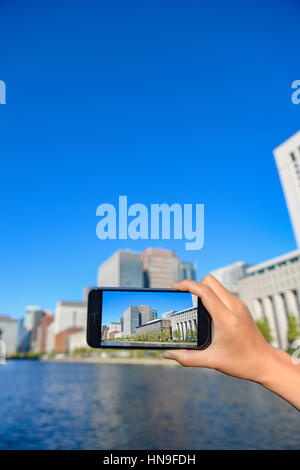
point(149, 319)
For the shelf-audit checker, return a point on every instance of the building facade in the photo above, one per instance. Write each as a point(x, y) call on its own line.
point(184, 321)
point(62, 339)
point(287, 157)
point(70, 314)
point(131, 319)
point(229, 275)
point(161, 267)
point(9, 333)
point(122, 269)
point(156, 326)
point(271, 290)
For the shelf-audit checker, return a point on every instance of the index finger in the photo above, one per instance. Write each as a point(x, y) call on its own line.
point(213, 304)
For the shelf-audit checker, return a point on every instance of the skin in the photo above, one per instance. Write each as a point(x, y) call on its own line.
point(238, 348)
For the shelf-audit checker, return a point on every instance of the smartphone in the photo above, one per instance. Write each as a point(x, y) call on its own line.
point(146, 319)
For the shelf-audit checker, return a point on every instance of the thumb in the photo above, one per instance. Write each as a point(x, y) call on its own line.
point(190, 358)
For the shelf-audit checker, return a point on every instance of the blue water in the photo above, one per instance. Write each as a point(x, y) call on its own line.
point(103, 406)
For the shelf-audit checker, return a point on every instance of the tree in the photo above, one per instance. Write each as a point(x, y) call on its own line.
point(294, 329)
point(195, 332)
point(177, 334)
point(264, 328)
point(188, 334)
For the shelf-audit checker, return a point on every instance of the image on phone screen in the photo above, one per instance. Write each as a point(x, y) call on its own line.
point(149, 319)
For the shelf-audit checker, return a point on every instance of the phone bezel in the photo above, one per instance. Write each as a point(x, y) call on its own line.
point(94, 320)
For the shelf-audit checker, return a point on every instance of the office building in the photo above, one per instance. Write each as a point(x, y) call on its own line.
point(271, 290)
point(9, 333)
point(46, 321)
point(32, 321)
point(188, 270)
point(157, 326)
point(229, 275)
point(62, 339)
point(131, 319)
point(155, 267)
point(77, 341)
point(50, 338)
point(184, 321)
point(70, 314)
point(161, 267)
point(287, 157)
point(122, 269)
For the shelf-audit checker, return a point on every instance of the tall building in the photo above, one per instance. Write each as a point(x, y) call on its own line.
point(69, 314)
point(272, 292)
point(155, 267)
point(188, 270)
point(9, 333)
point(229, 275)
point(131, 319)
point(32, 321)
point(161, 267)
point(287, 157)
point(42, 331)
point(122, 269)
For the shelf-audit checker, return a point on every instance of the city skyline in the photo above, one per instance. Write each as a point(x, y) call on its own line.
point(162, 302)
point(94, 116)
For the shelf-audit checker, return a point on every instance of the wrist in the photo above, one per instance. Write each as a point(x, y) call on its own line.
point(272, 361)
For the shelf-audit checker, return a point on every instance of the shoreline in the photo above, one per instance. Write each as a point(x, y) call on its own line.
point(116, 360)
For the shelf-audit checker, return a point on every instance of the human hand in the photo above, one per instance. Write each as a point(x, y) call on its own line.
point(238, 348)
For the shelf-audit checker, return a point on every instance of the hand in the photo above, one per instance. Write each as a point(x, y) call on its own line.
point(238, 348)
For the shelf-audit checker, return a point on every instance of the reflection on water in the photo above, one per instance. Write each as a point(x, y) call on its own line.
point(110, 406)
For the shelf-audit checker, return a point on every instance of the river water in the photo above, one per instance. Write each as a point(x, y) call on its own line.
point(110, 406)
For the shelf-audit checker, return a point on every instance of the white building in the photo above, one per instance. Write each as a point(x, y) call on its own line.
point(272, 292)
point(287, 157)
point(229, 275)
point(122, 269)
point(183, 321)
point(50, 338)
point(77, 341)
point(9, 333)
point(69, 314)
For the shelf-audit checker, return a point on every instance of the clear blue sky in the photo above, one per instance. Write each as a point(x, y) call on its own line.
point(161, 101)
point(114, 303)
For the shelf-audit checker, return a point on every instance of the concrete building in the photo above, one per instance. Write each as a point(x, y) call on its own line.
point(156, 326)
point(62, 339)
point(9, 333)
point(155, 267)
point(136, 316)
point(183, 321)
point(77, 341)
point(50, 338)
point(131, 319)
point(161, 267)
point(32, 321)
point(272, 292)
point(122, 269)
point(229, 275)
point(42, 330)
point(70, 314)
point(287, 157)
point(188, 270)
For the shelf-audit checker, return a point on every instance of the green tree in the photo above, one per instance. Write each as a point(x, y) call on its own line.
point(195, 332)
point(188, 334)
point(177, 334)
point(293, 330)
point(264, 328)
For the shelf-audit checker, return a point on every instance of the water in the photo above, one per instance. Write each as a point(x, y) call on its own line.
point(111, 406)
